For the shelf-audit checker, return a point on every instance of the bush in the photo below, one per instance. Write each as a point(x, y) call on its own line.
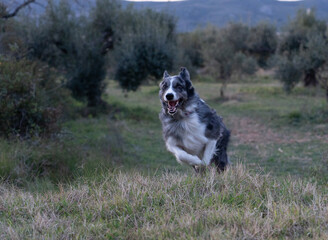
point(25, 161)
point(28, 108)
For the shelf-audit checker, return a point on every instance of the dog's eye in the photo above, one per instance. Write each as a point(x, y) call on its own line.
point(179, 87)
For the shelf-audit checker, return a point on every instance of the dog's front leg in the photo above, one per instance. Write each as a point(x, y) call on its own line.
point(181, 155)
point(209, 152)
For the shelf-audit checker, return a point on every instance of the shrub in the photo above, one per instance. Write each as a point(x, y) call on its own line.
point(27, 106)
point(25, 161)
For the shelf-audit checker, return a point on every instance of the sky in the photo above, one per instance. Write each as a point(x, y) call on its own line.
point(155, 0)
point(185, 0)
point(289, 0)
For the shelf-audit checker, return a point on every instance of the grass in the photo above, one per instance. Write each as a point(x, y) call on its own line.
point(235, 205)
point(282, 134)
point(111, 177)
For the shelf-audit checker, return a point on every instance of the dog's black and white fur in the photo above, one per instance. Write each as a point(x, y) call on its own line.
point(193, 131)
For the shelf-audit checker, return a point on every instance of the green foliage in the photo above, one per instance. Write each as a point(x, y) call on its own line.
point(244, 64)
point(70, 43)
point(26, 161)
point(314, 52)
point(146, 48)
point(225, 53)
point(236, 34)
point(304, 39)
point(106, 17)
point(144, 44)
point(192, 45)
point(288, 71)
point(262, 42)
point(29, 99)
point(218, 53)
point(88, 73)
point(299, 29)
point(11, 40)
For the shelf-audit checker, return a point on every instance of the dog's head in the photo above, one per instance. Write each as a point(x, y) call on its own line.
point(175, 90)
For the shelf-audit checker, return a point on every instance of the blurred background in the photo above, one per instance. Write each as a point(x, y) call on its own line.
point(79, 84)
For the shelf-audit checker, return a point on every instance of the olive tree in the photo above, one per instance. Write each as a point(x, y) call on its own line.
point(146, 49)
point(304, 37)
point(226, 54)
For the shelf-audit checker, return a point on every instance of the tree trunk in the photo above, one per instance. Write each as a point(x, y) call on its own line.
point(95, 101)
point(310, 79)
point(223, 88)
point(221, 92)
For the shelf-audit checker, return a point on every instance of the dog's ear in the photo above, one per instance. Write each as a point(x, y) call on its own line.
point(184, 74)
point(166, 75)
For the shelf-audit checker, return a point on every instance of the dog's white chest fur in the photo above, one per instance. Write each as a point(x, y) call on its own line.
point(193, 140)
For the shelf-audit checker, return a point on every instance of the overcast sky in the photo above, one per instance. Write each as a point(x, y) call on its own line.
point(185, 0)
point(154, 0)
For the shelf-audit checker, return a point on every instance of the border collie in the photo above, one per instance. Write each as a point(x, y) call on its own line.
point(192, 131)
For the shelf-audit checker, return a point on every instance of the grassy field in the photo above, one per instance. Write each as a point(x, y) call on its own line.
point(111, 177)
point(278, 133)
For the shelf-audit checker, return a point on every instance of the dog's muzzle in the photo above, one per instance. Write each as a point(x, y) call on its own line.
point(172, 106)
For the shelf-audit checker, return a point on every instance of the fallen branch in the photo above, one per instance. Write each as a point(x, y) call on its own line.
point(14, 13)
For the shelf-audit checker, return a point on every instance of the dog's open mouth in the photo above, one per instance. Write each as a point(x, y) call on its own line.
point(172, 106)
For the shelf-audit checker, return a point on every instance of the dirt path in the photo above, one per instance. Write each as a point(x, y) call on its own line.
point(247, 130)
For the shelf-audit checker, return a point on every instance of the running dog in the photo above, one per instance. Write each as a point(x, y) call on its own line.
point(192, 131)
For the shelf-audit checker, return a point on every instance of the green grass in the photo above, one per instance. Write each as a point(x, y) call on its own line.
point(110, 177)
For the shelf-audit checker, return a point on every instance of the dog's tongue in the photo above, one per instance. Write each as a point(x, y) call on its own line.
point(172, 106)
point(172, 103)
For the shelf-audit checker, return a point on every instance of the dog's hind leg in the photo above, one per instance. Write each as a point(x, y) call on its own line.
point(209, 152)
point(220, 158)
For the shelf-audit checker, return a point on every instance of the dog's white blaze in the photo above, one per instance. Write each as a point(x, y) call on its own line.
point(194, 139)
point(170, 90)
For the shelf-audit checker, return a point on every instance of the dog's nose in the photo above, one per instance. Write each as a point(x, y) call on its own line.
point(169, 96)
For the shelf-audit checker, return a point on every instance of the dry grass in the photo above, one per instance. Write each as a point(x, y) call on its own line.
point(235, 205)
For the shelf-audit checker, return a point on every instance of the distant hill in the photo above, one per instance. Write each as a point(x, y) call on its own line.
point(195, 13)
